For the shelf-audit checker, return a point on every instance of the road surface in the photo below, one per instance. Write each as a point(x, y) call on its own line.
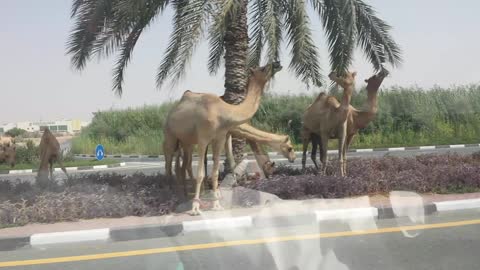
point(154, 166)
point(446, 241)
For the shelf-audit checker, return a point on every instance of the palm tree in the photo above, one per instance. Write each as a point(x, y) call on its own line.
point(103, 27)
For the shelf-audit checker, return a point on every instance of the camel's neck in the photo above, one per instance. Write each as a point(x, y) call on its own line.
point(239, 114)
point(372, 101)
point(345, 104)
point(250, 133)
point(365, 117)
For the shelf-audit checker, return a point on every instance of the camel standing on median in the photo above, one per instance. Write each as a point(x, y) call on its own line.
point(8, 153)
point(358, 119)
point(327, 118)
point(204, 119)
point(49, 153)
point(254, 137)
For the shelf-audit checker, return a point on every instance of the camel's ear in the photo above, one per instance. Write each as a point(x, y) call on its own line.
point(366, 80)
point(273, 164)
point(251, 70)
point(354, 74)
point(286, 139)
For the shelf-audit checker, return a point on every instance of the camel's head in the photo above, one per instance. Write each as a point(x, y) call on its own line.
point(345, 81)
point(268, 168)
point(8, 154)
point(265, 73)
point(374, 82)
point(287, 150)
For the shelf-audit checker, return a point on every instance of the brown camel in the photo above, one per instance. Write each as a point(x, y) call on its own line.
point(8, 153)
point(49, 153)
point(358, 119)
point(327, 118)
point(204, 119)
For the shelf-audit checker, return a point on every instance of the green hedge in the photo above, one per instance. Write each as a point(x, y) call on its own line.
point(406, 117)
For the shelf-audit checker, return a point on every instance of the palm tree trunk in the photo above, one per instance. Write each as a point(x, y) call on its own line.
point(236, 49)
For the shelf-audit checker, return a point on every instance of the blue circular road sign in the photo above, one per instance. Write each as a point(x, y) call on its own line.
point(100, 152)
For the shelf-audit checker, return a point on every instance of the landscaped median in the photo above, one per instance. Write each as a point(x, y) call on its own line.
point(99, 195)
point(70, 166)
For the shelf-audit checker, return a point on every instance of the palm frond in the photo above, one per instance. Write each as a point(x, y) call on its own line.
point(304, 52)
point(90, 17)
point(338, 17)
point(374, 37)
point(144, 14)
point(273, 28)
point(189, 26)
point(257, 36)
point(223, 10)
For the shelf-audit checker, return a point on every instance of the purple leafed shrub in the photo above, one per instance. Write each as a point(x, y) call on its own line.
point(91, 196)
point(427, 173)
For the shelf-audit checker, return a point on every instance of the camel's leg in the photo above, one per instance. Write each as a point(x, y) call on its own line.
point(60, 162)
point(202, 147)
point(315, 143)
point(323, 139)
point(170, 146)
point(341, 148)
point(306, 141)
point(217, 146)
point(187, 166)
point(50, 161)
point(345, 149)
point(229, 153)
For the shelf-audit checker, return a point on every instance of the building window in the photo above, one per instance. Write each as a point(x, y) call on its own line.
point(62, 128)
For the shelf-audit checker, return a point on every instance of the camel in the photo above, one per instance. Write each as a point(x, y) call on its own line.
point(254, 138)
point(358, 119)
point(203, 119)
point(8, 153)
point(49, 152)
point(327, 118)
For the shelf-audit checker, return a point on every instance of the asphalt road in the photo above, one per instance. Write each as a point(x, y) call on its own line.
point(153, 166)
point(445, 241)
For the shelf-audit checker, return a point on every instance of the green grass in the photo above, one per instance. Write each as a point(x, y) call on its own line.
point(407, 116)
point(77, 163)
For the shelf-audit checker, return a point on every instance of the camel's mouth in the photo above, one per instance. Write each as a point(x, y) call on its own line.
point(275, 67)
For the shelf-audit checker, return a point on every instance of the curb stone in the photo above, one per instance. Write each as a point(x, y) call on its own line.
point(381, 149)
point(81, 168)
point(158, 231)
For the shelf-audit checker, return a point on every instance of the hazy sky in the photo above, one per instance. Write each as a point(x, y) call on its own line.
point(439, 38)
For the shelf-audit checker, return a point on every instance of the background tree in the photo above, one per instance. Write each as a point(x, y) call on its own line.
point(103, 27)
point(15, 132)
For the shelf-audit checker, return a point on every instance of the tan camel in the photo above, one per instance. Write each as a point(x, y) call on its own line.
point(204, 119)
point(255, 138)
point(358, 119)
point(327, 118)
point(49, 153)
point(8, 153)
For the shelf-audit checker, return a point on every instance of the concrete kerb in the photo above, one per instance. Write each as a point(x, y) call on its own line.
point(69, 169)
point(229, 223)
point(382, 149)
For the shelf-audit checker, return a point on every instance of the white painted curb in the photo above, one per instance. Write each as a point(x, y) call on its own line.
point(69, 237)
point(457, 205)
point(457, 146)
point(100, 167)
point(20, 171)
point(346, 214)
point(393, 149)
point(363, 150)
point(217, 224)
point(430, 147)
